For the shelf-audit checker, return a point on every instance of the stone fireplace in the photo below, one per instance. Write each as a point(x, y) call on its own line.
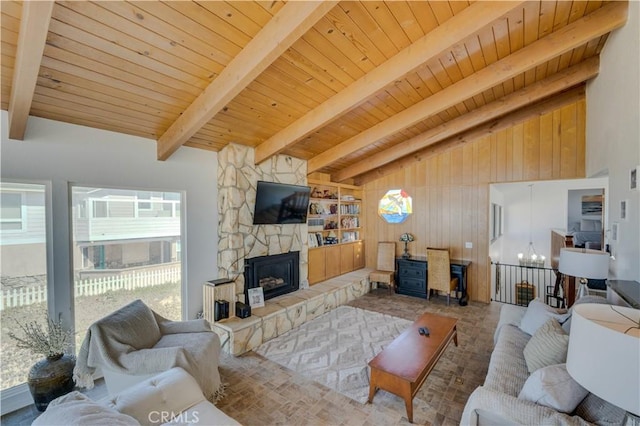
point(277, 274)
point(239, 239)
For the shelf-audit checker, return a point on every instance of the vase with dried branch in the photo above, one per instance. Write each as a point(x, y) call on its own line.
point(52, 376)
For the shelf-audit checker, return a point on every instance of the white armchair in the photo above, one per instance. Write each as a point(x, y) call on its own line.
point(135, 343)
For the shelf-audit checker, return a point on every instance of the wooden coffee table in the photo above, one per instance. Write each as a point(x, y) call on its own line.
point(402, 367)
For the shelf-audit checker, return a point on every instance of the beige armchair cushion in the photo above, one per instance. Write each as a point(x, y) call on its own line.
point(129, 346)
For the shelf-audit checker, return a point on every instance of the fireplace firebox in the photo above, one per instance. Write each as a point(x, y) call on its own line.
point(277, 274)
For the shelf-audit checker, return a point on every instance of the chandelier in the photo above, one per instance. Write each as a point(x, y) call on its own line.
point(530, 258)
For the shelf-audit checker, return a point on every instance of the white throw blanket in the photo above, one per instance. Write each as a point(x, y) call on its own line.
point(135, 340)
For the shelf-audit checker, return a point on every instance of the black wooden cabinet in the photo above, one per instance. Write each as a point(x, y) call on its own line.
point(411, 277)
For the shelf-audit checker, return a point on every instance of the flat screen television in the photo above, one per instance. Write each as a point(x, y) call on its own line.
point(279, 203)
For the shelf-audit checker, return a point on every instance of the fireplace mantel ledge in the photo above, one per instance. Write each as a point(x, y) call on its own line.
point(283, 313)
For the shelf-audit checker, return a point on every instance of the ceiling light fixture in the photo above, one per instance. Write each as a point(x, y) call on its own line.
point(531, 258)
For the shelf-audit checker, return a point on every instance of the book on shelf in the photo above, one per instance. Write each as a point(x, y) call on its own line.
point(350, 236)
point(349, 209)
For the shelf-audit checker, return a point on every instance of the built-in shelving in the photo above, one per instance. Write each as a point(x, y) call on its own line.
point(334, 229)
point(334, 213)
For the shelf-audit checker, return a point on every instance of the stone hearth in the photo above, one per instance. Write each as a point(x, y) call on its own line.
point(283, 313)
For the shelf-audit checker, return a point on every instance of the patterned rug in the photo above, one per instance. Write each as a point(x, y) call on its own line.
point(335, 348)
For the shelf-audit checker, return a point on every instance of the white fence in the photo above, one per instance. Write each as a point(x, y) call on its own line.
point(91, 287)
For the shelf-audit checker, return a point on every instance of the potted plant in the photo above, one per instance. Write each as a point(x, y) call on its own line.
point(52, 376)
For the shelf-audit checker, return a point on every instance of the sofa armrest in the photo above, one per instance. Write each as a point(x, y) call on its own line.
point(172, 391)
point(488, 407)
point(509, 314)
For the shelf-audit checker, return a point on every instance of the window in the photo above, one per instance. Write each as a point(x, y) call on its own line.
point(10, 210)
point(124, 252)
point(24, 273)
point(144, 205)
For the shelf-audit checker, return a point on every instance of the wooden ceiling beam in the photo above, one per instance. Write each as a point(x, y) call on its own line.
point(433, 44)
point(596, 24)
point(550, 86)
point(543, 107)
point(32, 38)
point(287, 26)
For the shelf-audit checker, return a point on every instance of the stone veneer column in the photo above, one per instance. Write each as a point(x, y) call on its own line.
point(238, 238)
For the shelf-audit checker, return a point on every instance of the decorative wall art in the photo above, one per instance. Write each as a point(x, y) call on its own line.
point(592, 205)
point(633, 178)
point(395, 206)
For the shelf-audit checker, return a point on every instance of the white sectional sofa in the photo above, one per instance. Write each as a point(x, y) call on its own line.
point(169, 398)
point(500, 401)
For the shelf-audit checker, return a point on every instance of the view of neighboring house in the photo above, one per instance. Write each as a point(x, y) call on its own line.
point(119, 229)
point(22, 230)
point(113, 229)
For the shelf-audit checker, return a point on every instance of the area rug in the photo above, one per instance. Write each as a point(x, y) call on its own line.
point(335, 348)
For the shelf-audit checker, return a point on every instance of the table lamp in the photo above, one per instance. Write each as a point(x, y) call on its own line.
point(604, 354)
point(584, 264)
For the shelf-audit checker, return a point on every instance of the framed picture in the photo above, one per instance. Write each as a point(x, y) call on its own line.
point(623, 209)
point(633, 178)
point(614, 231)
point(256, 297)
point(592, 205)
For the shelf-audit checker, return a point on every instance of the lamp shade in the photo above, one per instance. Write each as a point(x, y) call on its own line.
point(584, 263)
point(604, 353)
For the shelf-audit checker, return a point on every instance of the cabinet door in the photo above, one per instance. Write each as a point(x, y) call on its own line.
point(346, 258)
point(332, 261)
point(358, 255)
point(316, 267)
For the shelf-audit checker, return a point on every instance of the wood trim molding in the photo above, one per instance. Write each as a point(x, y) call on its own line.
point(32, 38)
point(430, 46)
point(501, 123)
point(287, 26)
point(596, 24)
point(533, 93)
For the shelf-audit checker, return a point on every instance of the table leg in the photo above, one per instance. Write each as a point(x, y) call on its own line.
point(403, 390)
point(372, 386)
point(408, 402)
point(455, 335)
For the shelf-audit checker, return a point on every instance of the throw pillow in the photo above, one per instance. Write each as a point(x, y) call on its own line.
point(547, 346)
point(553, 387)
point(537, 314)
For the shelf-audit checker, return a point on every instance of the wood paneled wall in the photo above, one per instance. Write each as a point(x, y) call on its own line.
point(450, 190)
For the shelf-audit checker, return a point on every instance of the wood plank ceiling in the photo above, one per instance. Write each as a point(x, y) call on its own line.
point(349, 86)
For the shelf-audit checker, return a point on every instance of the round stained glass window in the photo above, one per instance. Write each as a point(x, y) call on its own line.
point(395, 206)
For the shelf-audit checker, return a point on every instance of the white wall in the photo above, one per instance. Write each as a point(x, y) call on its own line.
point(548, 211)
point(66, 154)
point(613, 137)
